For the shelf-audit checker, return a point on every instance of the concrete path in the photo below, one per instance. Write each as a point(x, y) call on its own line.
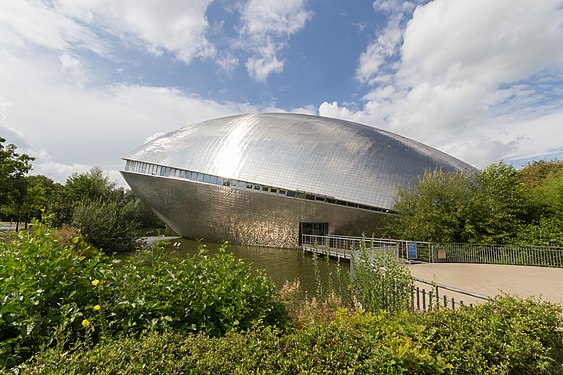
point(492, 279)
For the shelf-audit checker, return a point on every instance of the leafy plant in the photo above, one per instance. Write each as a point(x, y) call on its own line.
point(379, 280)
point(63, 296)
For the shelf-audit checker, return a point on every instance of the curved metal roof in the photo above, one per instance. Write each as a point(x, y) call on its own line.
point(321, 155)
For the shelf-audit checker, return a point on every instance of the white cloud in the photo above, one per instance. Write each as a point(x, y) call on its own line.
point(227, 62)
point(380, 51)
point(74, 68)
point(486, 41)
point(71, 128)
point(176, 26)
point(259, 68)
point(34, 22)
point(267, 25)
point(468, 77)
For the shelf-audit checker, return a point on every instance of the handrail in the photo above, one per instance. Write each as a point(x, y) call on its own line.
point(542, 256)
point(453, 289)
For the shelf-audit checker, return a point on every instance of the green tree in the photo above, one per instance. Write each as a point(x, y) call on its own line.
point(106, 215)
point(549, 195)
point(545, 195)
point(13, 185)
point(498, 205)
point(488, 206)
point(435, 208)
point(535, 172)
point(78, 187)
point(108, 224)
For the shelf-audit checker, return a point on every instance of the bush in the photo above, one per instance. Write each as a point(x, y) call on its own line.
point(356, 343)
point(110, 225)
point(509, 335)
point(42, 284)
point(379, 280)
point(60, 296)
point(213, 294)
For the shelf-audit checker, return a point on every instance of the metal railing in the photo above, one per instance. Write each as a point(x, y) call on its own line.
point(495, 254)
point(342, 247)
point(426, 295)
point(441, 296)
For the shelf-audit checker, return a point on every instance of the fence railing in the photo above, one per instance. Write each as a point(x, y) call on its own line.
point(427, 295)
point(495, 254)
point(430, 252)
point(341, 247)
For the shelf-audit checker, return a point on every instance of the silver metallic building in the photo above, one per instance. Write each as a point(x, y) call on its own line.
point(263, 179)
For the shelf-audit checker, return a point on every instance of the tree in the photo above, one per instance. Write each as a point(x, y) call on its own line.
point(39, 192)
point(487, 206)
point(435, 208)
point(534, 173)
point(545, 195)
point(498, 204)
point(13, 185)
point(106, 215)
point(110, 225)
point(78, 187)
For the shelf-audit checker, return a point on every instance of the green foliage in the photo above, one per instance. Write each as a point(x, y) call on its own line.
point(215, 295)
point(498, 205)
point(547, 231)
point(90, 186)
point(13, 184)
point(354, 344)
point(534, 173)
point(110, 225)
point(435, 209)
point(379, 280)
point(491, 206)
point(549, 195)
point(41, 281)
point(109, 217)
point(508, 336)
point(66, 296)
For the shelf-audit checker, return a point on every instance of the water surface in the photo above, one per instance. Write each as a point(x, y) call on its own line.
point(279, 264)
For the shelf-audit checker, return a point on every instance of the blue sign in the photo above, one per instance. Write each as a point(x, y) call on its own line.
point(411, 250)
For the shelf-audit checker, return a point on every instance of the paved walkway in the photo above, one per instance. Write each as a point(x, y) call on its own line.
point(492, 279)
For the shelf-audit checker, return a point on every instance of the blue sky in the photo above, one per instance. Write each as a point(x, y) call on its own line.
point(84, 82)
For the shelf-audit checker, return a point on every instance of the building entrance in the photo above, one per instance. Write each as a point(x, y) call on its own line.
point(313, 228)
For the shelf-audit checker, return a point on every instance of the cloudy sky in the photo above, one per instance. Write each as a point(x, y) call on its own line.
point(83, 82)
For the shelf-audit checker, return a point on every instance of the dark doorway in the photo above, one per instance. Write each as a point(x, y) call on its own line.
point(312, 228)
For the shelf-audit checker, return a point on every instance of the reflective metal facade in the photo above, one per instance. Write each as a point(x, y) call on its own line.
point(336, 160)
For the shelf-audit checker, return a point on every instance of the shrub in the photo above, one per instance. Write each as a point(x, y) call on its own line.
point(110, 225)
point(357, 343)
point(213, 294)
point(60, 296)
point(379, 280)
point(508, 335)
point(42, 284)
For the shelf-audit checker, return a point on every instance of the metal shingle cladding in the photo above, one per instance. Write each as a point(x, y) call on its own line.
point(326, 156)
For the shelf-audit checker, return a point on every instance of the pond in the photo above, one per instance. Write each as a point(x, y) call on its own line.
point(279, 264)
